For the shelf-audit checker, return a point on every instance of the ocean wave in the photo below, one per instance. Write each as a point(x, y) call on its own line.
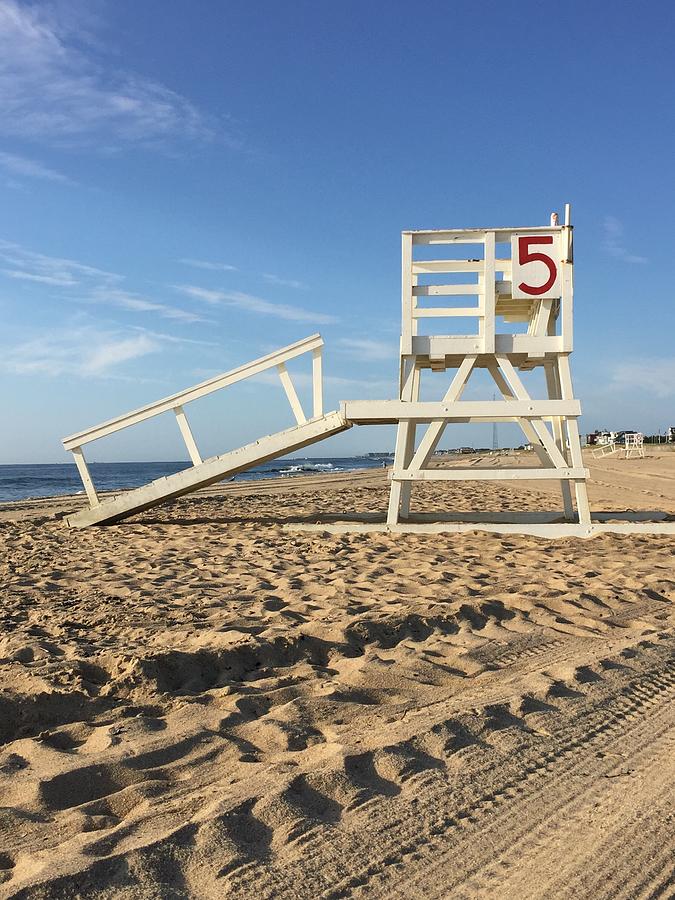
point(305, 467)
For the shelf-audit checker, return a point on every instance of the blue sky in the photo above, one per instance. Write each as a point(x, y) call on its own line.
point(184, 187)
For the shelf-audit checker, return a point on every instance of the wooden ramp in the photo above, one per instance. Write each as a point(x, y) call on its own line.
point(205, 472)
point(210, 471)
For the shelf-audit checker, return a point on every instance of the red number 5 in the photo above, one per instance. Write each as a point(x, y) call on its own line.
point(524, 256)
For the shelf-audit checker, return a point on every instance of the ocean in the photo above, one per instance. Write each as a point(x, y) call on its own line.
point(21, 482)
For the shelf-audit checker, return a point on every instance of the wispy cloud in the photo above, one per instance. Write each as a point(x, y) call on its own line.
point(210, 266)
point(83, 352)
point(285, 282)
point(51, 88)
point(56, 280)
point(172, 338)
point(368, 349)
point(29, 265)
point(82, 283)
point(613, 242)
point(135, 303)
point(652, 376)
point(252, 304)
point(30, 168)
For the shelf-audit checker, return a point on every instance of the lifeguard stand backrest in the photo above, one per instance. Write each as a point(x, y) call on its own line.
point(458, 284)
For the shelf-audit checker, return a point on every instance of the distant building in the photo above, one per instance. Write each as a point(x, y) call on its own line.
point(600, 438)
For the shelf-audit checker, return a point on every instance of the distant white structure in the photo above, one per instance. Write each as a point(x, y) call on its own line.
point(604, 449)
point(634, 444)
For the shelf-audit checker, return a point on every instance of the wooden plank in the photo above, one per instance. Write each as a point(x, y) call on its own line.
point(400, 453)
point(406, 294)
point(448, 266)
point(317, 383)
point(548, 443)
point(489, 295)
point(88, 484)
point(445, 290)
point(399, 496)
point(195, 392)
point(186, 431)
point(475, 235)
point(502, 230)
point(567, 307)
point(446, 312)
point(440, 345)
point(387, 411)
point(512, 377)
point(566, 389)
point(553, 387)
point(553, 530)
point(293, 399)
point(488, 474)
point(409, 429)
point(541, 317)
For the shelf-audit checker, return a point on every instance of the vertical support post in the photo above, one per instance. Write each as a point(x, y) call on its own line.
point(408, 453)
point(317, 383)
point(409, 449)
point(567, 283)
point(81, 464)
point(406, 293)
point(554, 393)
point(186, 431)
point(580, 492)
point(488, 303)
point(405, 442)
point(289, 387)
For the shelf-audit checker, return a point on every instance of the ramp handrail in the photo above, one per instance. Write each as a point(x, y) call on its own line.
point(175, 402)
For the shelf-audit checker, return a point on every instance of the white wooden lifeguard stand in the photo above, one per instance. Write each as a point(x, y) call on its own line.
point(635, 444)
point(491, 278)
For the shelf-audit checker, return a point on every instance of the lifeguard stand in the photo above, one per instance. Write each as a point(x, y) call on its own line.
point(492, 279)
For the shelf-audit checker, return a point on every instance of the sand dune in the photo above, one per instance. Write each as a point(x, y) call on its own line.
point(199, 703)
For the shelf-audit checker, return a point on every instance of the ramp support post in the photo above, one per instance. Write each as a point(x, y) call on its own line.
point(186, 431)
point(317, 383)
point(81, 464)
point(291, 393)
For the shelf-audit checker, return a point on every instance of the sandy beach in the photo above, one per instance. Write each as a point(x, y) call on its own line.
point(199, 702)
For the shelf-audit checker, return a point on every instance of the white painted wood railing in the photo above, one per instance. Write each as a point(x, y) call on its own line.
point(176, 402)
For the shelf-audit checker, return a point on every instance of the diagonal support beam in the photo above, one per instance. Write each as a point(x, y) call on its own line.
point(289, 387)
point(81, 464)
point(539, 427)
point(186, 431)
point(527, 428)
point(436, 428)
